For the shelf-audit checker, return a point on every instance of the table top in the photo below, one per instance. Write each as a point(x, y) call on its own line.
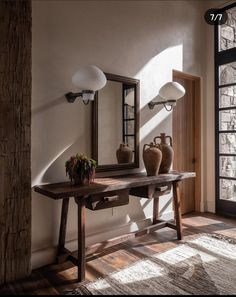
point(105, 184)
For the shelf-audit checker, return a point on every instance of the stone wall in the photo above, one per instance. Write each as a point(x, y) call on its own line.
point(228, 120)
point(227, 143)
point(228, 32)
point(228, 96)
point(228, 189)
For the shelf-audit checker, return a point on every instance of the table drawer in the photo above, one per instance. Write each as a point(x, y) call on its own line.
point(108, 200)
point(151, 191)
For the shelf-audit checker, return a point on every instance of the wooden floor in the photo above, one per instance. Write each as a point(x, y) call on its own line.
point(57, 279)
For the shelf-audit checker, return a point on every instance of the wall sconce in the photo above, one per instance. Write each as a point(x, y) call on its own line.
point(168, 94)
point(88, 79)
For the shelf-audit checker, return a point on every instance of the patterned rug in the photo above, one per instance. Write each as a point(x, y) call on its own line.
point(203, 265)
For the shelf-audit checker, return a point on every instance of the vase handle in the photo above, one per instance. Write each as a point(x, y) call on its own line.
point(170, 138)
point(154, 140)
point(145, 146)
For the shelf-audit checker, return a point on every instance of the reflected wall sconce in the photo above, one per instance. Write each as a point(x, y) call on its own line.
point(88, 79)
point(168, 95)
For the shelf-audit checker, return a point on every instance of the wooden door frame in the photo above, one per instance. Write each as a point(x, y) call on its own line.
point(198, 134)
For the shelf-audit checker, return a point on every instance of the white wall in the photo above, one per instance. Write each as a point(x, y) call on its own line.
point(140, 39)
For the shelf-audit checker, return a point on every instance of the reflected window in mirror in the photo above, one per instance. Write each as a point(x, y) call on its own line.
point(115, 124)
point(128, 110)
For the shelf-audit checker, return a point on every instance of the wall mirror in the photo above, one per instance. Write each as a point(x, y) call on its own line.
point(115, 121)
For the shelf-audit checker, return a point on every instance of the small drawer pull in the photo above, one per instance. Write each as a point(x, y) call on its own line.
point(111, 198)
point(161, 189)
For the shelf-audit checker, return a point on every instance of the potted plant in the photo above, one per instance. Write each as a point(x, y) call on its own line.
point(80, 169)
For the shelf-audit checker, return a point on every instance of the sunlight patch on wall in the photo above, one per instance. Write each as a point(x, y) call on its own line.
point(155, 121)
point(153, 76)
point(158, 71)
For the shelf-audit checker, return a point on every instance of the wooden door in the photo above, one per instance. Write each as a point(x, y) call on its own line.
point(186, 140)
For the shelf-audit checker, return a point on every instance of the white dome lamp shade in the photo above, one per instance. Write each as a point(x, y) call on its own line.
point(88, 79)
point(169, 94)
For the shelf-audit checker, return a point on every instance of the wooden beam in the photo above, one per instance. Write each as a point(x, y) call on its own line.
point(15, 139)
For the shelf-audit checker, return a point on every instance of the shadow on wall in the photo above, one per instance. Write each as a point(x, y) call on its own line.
point(49, 105)
point(132, 38)
point(156, 72)
point(56, 165)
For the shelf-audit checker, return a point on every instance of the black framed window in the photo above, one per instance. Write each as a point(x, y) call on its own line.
point(225, 94)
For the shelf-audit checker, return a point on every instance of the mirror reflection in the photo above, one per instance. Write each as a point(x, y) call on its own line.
point(116, 123)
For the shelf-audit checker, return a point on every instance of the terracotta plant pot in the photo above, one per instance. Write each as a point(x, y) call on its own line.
point(80, 169)
point(124, 154)
point(167, 152)
point(76, 180)
point(152, 157)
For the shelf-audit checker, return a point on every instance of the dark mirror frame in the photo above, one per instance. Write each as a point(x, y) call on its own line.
point(113, 167)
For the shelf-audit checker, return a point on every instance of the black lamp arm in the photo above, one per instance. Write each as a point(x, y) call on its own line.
point(152, 104)
point(72, 96)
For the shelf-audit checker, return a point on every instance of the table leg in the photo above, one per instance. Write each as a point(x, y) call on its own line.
point(81, 238)
point(155, 209)
point(177, 208)
point(62, 234)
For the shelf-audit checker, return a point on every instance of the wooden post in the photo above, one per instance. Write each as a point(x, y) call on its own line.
point(63, 224)
point(15, 139)
point(177, 208)
point(155, 209)
point(81, 238)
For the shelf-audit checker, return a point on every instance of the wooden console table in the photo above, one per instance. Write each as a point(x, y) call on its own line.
point(107, 193)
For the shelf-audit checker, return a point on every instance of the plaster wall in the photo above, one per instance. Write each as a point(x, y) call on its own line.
point(140, 39)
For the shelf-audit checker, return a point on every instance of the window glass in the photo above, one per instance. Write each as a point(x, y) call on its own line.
point(227, 120)
point(228, 73)
point(227, 35)
point(228, 166)
point(227, 143)
point(228, 97)
point(227, 189)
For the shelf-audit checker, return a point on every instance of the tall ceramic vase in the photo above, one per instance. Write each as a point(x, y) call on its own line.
point(152, 156)
point(167, 152)
point(124, 154)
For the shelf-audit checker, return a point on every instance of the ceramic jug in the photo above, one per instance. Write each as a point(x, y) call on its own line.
point(152, 157)
point(167, 152)
point(124, 154)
